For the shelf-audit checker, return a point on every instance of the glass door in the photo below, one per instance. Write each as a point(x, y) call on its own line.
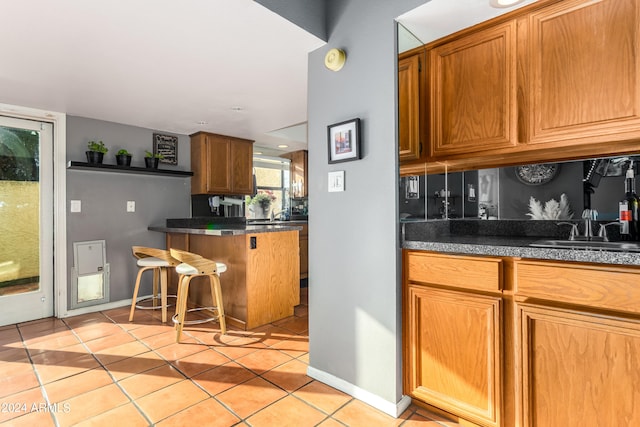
point(26, 220)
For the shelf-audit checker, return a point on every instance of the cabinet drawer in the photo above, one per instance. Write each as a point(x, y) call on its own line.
point(480, 273)
point(609, 287)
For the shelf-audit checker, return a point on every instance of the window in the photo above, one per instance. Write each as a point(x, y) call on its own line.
point(272, 177)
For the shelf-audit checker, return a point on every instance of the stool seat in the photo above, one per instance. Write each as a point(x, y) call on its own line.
point(193, 265)
point(152, 262)
point(158, 261)
point(188, 270)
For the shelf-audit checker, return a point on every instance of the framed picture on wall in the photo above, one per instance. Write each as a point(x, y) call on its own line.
point(343, 140)
point(167, 145)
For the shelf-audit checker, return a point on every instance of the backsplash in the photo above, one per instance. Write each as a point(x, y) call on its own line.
point(437, 229)
point(505, 193)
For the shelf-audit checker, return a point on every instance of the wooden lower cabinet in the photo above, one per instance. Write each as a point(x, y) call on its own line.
point(552, 343)
point(261, 285)
point(453, 334)
point(578, 369)
point(454, 352)
point(304, 251)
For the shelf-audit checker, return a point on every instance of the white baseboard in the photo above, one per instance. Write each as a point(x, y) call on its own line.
point(390, 408)
point(99, 307)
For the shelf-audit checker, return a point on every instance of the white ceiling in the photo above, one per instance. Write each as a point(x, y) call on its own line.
point(168, 65)
point(160, 64)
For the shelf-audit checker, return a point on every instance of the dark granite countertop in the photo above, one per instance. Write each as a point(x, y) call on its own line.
point(211, 226)
point(505, 238)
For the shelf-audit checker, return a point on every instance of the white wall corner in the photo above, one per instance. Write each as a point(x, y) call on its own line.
point(389, 408)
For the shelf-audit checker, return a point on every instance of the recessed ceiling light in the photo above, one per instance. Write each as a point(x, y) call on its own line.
point(237, 108)
point(504, 3)
point(202, 122)
point(257, 152)
point(283, 146)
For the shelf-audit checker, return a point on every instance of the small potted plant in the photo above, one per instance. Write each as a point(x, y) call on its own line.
point(96, 152)
point(123, 158)
point(261, 203)
point(151, 160)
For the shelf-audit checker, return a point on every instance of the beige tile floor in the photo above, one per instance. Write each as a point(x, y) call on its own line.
point(100, 369)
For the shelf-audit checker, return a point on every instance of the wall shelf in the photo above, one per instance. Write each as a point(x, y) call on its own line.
point(126, 169)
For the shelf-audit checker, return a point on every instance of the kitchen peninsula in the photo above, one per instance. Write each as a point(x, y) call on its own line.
point(262, 281)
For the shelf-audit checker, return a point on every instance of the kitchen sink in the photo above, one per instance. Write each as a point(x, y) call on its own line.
point(588, 245)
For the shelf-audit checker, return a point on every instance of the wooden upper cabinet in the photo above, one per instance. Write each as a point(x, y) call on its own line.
point(299, 174)
point(410, 110)
point(241, 173)
point(221, 164)
point(472, 92)
point(582, 78)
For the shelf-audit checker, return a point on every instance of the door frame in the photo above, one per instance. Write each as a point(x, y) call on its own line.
point(59, 121)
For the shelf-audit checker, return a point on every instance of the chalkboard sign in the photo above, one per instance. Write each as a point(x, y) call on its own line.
point(167, 146)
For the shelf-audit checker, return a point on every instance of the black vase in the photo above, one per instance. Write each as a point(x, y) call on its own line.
point(123, 159)
point(151, 162)
point(94, 157)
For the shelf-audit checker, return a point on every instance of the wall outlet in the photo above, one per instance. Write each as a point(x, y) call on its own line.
point(131, 206)
point(76, 205)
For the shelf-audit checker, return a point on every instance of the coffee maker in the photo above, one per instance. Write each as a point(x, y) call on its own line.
point(227, 206)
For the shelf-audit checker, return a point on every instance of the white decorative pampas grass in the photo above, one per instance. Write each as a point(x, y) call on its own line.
point(552, 209)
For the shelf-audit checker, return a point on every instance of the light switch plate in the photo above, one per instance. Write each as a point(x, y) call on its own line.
point(76, 206)
point(131, 206)
point(336, 181)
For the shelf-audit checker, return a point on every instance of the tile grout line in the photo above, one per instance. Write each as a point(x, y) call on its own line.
point(117, 383)
point(43, 391)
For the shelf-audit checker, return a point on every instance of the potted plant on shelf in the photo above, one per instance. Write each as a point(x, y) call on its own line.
point(96, 152)
point(151, 160)
point(260, 204)
point(123, 158)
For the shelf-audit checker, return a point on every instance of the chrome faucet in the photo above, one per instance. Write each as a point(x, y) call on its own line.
point(602, 233)
point(589, 215)
point(574, 230)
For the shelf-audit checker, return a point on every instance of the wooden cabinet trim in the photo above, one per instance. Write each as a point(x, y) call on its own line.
point(605, 287)
point(474, 273)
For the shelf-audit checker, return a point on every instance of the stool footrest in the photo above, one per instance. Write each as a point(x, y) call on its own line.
point(148, 299)
point(198, 321)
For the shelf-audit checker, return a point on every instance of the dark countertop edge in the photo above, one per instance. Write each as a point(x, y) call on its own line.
point(249, 229)
point(519, 249)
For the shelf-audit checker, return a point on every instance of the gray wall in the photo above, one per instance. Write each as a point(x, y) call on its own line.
point(104, 196)
point(307, 14)
point(354, 278)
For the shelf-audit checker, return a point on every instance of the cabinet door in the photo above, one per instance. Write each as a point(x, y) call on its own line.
point(218, 162)
point(578, 369)
point(584, 77)
point(241, 173)
point(199, 164)
point(454, 352)
point(473, 92)
point(298, 170)
point(304, 251)
point(409, 102)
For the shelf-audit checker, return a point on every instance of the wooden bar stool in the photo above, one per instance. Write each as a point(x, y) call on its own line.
point(158, 260)
point(194, 265)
